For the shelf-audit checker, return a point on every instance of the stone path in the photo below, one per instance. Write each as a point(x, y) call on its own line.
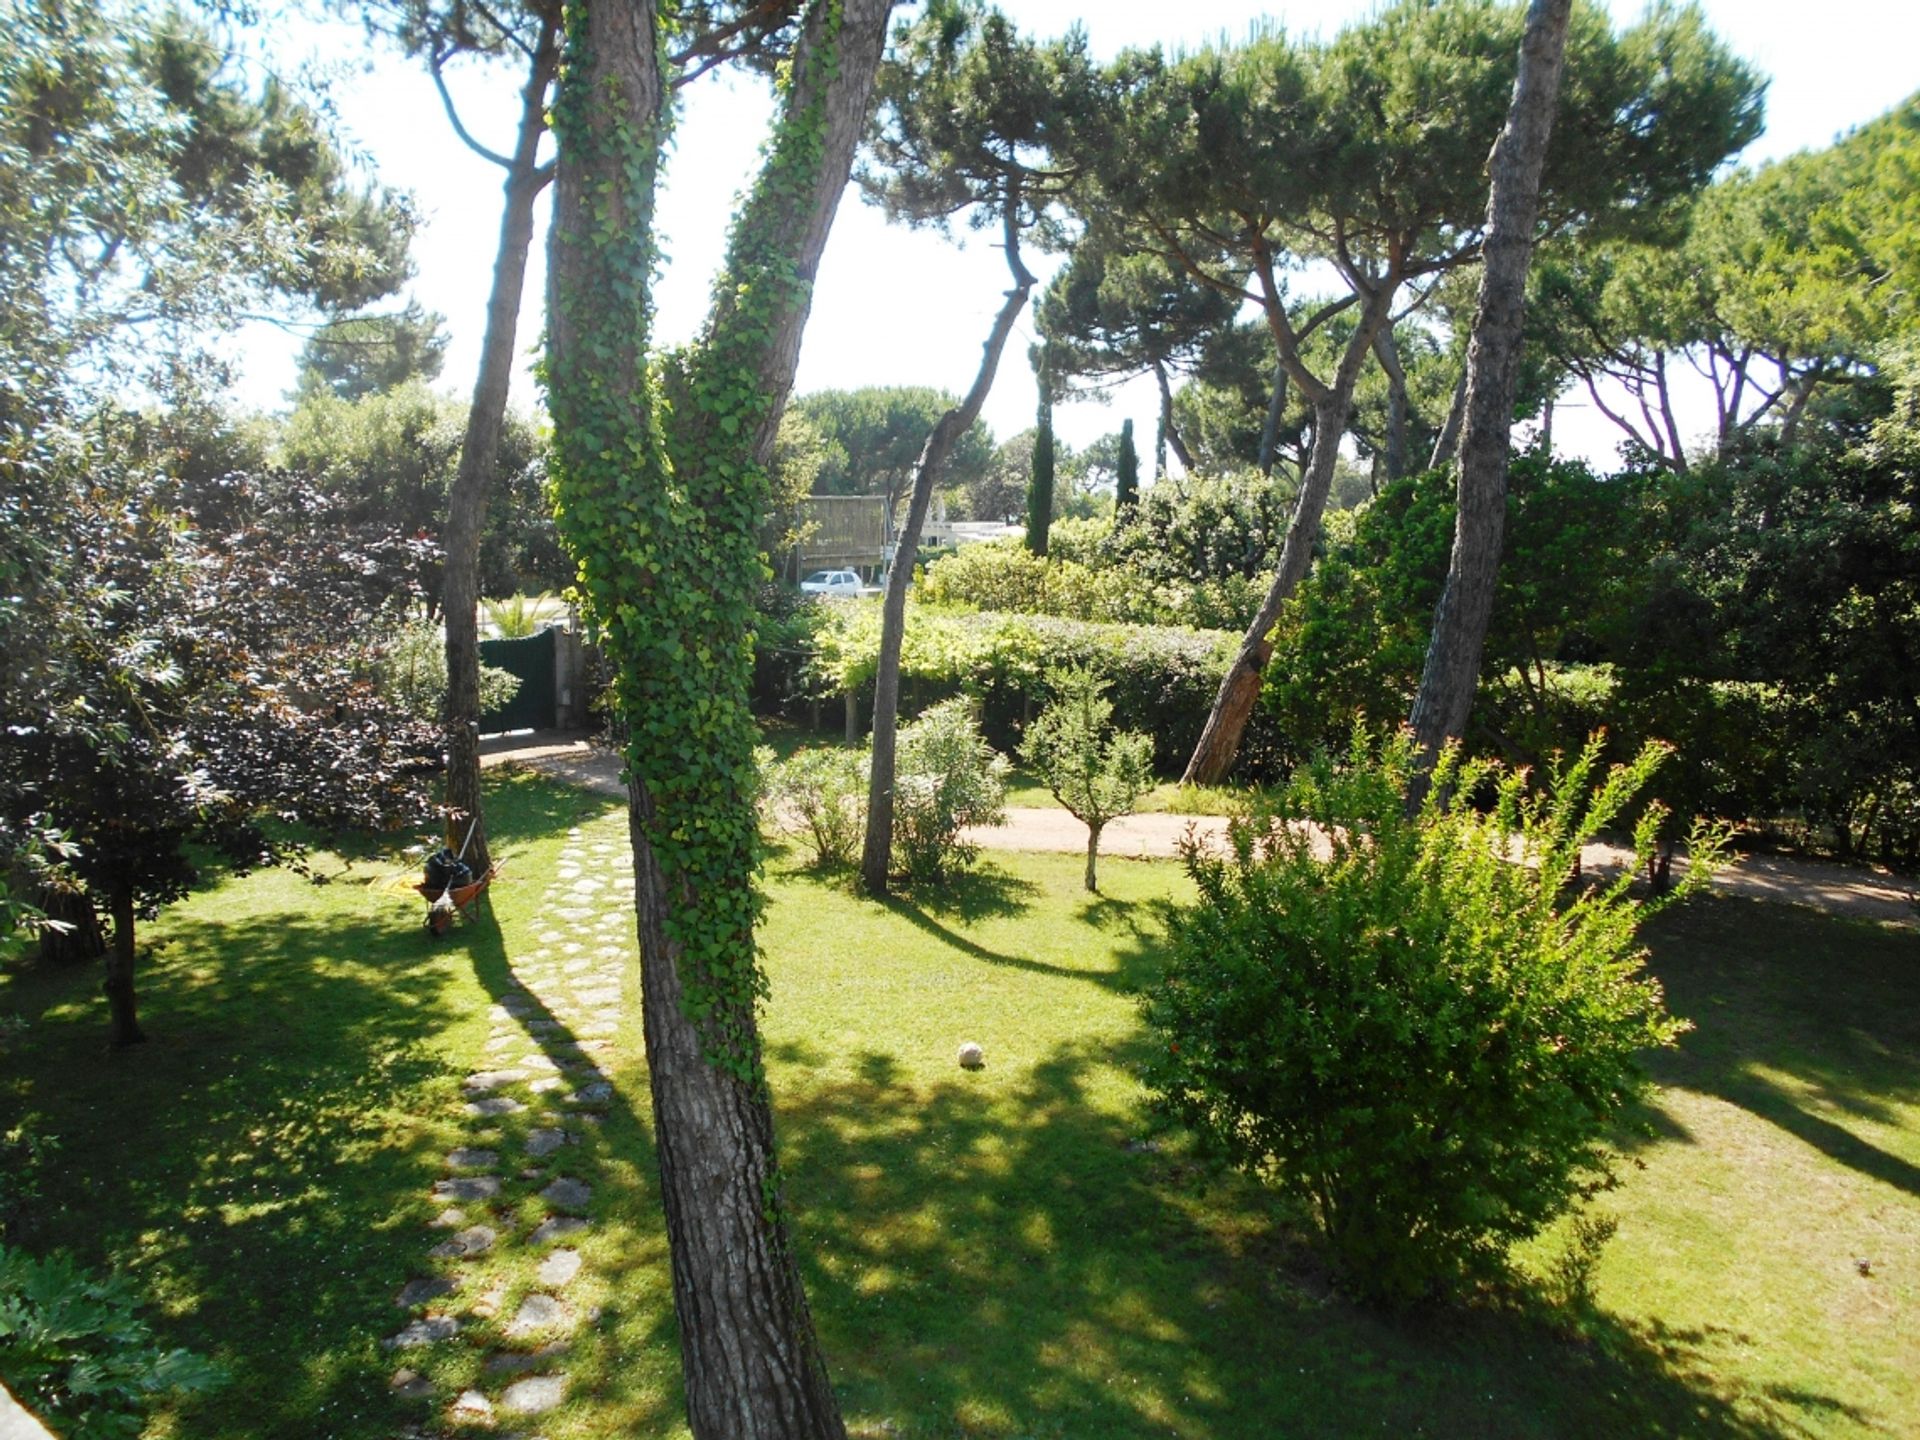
point(1837, 889)
point(493, 1276)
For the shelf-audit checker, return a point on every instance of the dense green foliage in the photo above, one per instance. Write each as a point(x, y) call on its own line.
point(389, 456)
point(411, 672)
point(948, 778)
point(1040, 483)
point(1161, 676)
point(868, 439)
point(74, 1348)
point(824, 787)
point(1404, 1021)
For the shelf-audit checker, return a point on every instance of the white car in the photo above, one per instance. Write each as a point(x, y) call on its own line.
point(832, 582)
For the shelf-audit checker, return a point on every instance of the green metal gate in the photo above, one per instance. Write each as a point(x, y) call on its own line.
point(535, 705)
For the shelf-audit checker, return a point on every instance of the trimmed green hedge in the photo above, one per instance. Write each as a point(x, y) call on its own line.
point(1162, 679)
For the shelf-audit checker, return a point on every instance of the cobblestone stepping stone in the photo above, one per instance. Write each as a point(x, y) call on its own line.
point(429, 1331)
point(495, 1105)
point(546, 1083)
point(566, 1193)
point(502, 1042)
point(419, 1292)
point(556, 1227)
point(472, 1405)
point(467, 1187)
point(466, 1158)
point(536, 1313)
point(482, 1081)
point(598, 1093)
point(474, 1240)
point(545, 1141)
point(451, 1219)
point(559, 1267)
point(534, 1395)
point(539, 1062)
point(410, 1384)
point(519, 1362)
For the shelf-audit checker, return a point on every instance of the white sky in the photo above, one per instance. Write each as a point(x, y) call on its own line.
point(894, 306)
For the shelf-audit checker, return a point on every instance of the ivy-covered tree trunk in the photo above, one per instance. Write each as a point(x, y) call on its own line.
point(1452, 669)
point(663, 515)
point(125, 1018)
point(467, 499)
point(877, 854)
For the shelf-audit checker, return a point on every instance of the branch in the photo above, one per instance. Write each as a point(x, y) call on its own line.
point(507, 32)
point(439, 83)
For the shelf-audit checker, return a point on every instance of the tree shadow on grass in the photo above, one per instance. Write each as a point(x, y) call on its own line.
point(1807, 1021)
point(256, 1166)
point(997, 1255)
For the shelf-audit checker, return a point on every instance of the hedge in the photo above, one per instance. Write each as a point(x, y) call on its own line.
point(1162, 679)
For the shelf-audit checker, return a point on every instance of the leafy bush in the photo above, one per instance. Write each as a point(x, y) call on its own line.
point(1421, 1040)
point(946, 777)
point(1162, 678)
point(825, 789)
point(1099, 776)
point(73, 1350)
point(411, 671)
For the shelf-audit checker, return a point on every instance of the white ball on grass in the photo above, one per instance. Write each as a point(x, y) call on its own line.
point(972, 1057)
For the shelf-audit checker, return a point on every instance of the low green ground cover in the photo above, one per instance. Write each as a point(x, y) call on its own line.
point(1004, 1253)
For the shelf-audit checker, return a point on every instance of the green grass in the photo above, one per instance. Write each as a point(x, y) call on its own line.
point(992, 1253)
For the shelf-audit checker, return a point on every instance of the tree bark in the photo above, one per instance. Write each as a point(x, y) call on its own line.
point(1452, 669)
point(751, 1362)
point(1219, 743)
point(125, 1020)
point(1394, 451)
point(467, 500)
point(1093, 856)
point(1270, 428)
point(1169, 432)
point(1448, 440)
point(81, 940)
point(877, 855)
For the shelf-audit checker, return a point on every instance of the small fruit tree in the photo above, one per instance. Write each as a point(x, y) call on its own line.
point(1099, 776)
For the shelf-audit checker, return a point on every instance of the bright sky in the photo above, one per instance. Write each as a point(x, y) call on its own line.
point(894, 306)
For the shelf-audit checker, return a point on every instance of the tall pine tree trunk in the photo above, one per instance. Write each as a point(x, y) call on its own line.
point(1394, 450)
point(467, 501)
point(877, 853)
point(663, 512)
point(1452, 669)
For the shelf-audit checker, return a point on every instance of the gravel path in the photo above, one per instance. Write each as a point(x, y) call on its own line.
point(1838, 889)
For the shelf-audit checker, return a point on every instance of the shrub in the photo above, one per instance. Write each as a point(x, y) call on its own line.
point(825, 789)
point(76, 1353)
point(1422, 1041)
point(411, 671)
point(1099, 776)
point(946, 777)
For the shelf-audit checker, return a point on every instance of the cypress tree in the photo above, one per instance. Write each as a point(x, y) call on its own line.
point(1126, 488)
point(1040, 488)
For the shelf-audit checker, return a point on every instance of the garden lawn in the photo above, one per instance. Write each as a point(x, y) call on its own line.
point(1007, 1252)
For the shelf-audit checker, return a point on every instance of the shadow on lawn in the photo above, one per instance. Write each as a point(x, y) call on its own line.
point(1001, 1256)
point(246, 1165)
point(1795, 1014)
